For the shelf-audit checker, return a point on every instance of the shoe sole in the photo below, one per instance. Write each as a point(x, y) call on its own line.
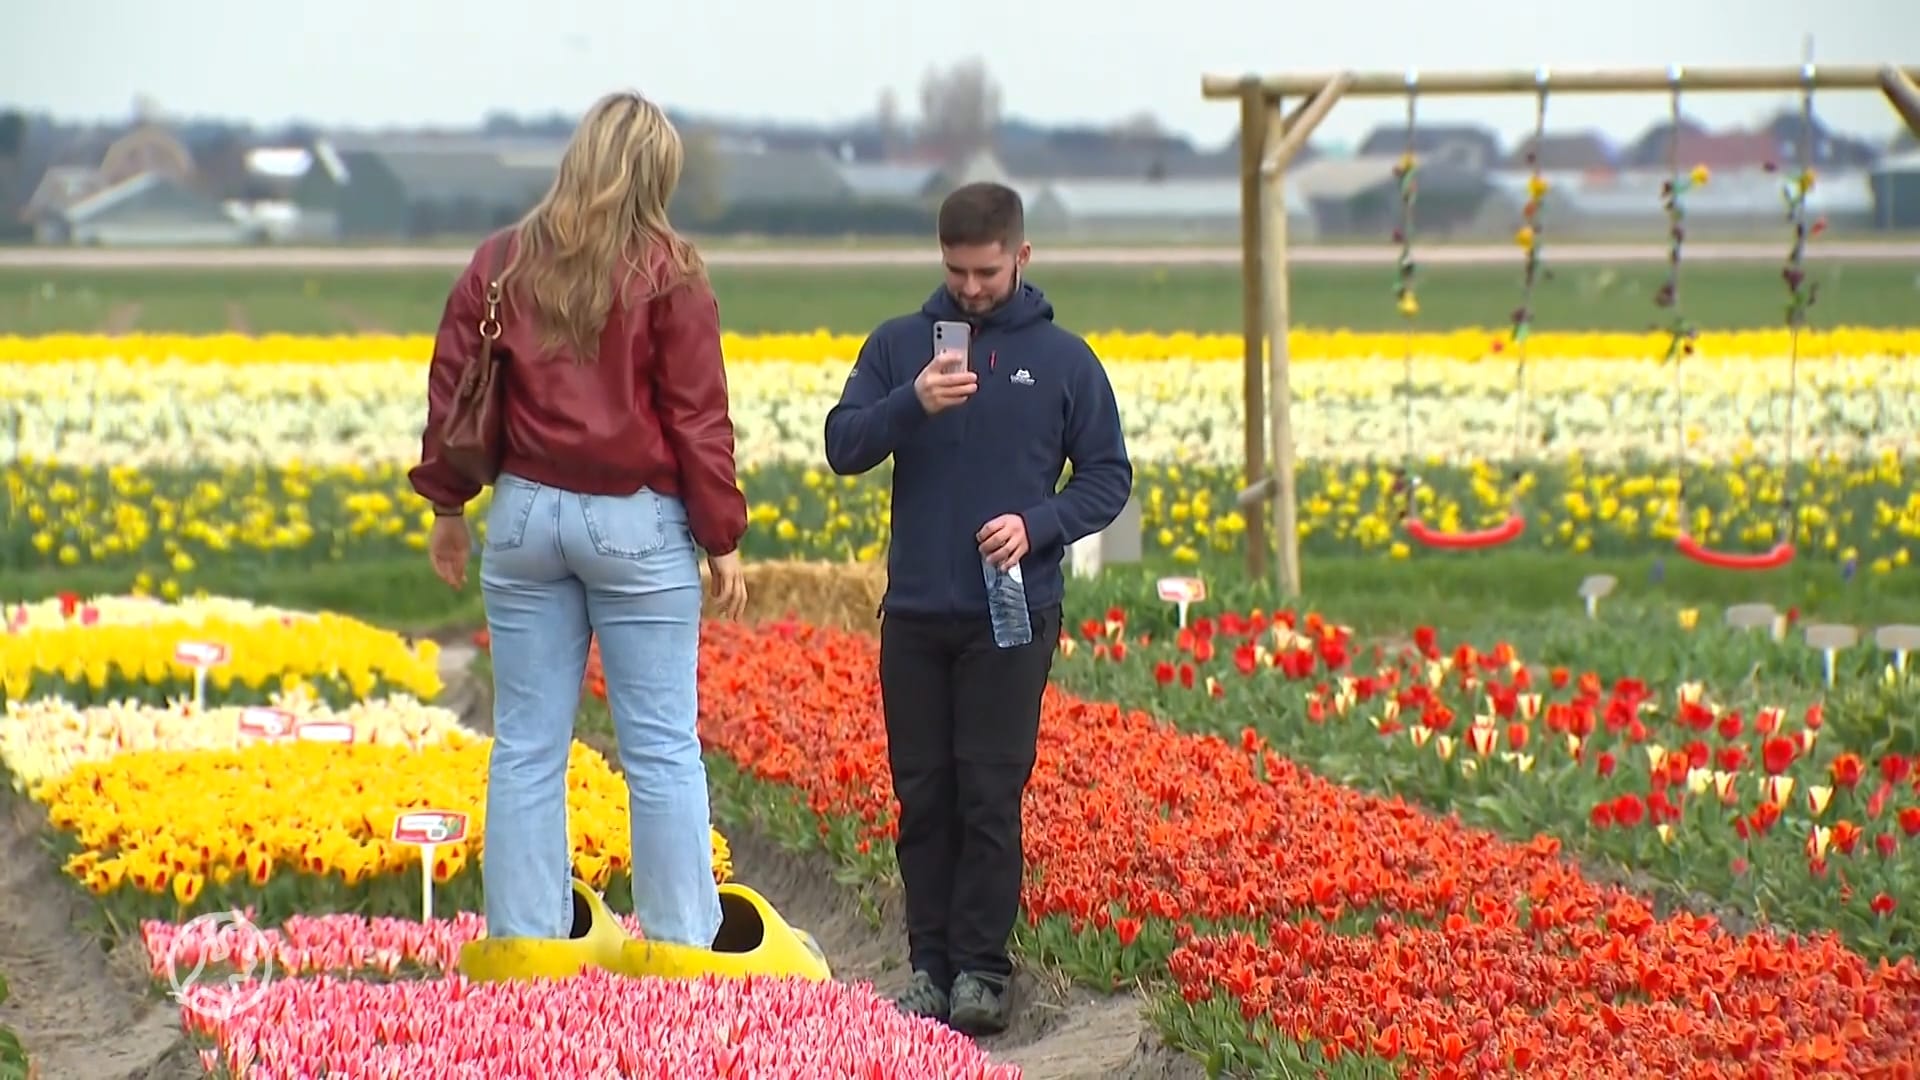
point(976, 1024)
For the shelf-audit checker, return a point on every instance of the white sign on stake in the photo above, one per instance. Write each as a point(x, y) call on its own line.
point(200, 655)
point(428, 829)
point(1593, 589)
point(261, 722)
point(1829, 639)
point(1182, 591)
point(333, 731)
point(1898, 639)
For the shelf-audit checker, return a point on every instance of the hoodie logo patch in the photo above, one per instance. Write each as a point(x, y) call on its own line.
point(1021, 378)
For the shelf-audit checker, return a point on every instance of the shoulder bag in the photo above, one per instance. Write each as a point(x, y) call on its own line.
point(471, 436)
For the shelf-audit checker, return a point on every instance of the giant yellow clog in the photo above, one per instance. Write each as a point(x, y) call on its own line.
point(596, 941)
point(753, 940)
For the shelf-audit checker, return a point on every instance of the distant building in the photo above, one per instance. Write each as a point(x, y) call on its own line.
point(1194, 209)
point(399, 187)
point(150, 210)
point(1895, 187)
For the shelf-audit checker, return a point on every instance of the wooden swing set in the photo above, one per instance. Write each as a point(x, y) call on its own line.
point(1270, 137)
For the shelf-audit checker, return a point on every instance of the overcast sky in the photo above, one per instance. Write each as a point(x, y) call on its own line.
point(407, 62)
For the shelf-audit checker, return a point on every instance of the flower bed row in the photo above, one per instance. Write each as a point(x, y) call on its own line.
point(296, 826)
point(87, 652)
point(47, 737)
point(184, 525)
point(1310, 921)
point(822, 347)
point(331, 944)
point(1176, 410)
point(1810, 815)
point(172, 810)
point(597, 1024)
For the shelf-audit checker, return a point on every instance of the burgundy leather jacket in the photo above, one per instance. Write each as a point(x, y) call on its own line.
point(650, 410)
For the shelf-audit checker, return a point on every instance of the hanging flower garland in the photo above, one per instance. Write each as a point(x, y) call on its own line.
point(1801, 292)
point(1528, 237)
point(1673, 192)
point(1405, 299)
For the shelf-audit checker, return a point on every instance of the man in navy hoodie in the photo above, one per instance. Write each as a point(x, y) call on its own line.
point(978, 444)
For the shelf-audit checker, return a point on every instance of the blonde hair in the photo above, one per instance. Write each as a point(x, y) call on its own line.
point(607, 207)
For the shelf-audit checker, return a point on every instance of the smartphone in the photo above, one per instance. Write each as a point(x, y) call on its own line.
point(952, 337)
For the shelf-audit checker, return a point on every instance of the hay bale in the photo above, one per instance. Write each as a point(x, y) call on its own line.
point(842, 595)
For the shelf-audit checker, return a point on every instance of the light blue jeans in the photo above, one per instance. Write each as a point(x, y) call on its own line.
point(557, 567)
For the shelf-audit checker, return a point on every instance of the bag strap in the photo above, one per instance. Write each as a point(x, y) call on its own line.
point(490, 322)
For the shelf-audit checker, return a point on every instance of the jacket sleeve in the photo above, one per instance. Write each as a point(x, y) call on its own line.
point(690, 391)
point(455, 345)
point(874, 415)
point(1102, 476)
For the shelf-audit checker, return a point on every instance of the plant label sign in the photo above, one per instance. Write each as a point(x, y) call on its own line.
point(333, 731)
point(429, 829)
point(200, 655)
point(426, 827)
point(1182, 591)
point(260, 722)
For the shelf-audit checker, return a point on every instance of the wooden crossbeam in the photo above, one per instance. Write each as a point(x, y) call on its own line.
point(1603, 81)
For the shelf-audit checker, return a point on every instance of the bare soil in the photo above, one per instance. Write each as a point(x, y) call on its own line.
point(82, 1012)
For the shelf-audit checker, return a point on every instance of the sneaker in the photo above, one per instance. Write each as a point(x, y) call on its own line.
point(980, 1005)
point(922, 997)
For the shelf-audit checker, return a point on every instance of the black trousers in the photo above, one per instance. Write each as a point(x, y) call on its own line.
point(963, 716)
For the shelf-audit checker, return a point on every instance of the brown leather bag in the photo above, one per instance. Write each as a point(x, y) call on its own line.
point(471, 437)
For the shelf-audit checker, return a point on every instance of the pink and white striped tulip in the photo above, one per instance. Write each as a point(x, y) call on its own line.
point(317, 944)
point(595, 1025)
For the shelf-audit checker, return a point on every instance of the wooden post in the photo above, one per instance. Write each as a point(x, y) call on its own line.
point(1253, 130)
point(1284, 139)
point(1903, 95)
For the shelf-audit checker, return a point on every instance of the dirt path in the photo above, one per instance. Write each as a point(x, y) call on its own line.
point(237, 321)
point(84, 1014)
point(121, 319)
point(1059, 1033)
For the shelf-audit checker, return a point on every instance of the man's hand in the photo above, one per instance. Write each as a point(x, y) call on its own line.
point(1003, 541)
point(944, 383)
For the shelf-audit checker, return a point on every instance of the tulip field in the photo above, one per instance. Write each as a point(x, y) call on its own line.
point(164, 809)
point(1431, 819)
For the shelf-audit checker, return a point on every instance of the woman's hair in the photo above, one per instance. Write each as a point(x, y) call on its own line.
point(607, 207)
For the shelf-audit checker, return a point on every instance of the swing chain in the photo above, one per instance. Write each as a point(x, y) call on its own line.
point(1406, 301)
point(1796, 194)
point(1669, 296)
point(1529, 237)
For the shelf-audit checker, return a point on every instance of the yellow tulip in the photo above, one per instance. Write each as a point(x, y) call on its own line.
point(175, 818)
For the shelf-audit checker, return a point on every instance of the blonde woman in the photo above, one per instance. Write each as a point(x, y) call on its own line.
point(618, 462)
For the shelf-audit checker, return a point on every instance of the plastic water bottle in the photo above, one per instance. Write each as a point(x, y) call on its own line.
point(1007, 604)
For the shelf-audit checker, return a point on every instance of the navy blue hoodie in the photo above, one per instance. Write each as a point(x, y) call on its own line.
point(1043, 400)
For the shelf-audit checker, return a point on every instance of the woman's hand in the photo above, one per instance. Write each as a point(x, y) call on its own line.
point(448, 546)
point(729, 584)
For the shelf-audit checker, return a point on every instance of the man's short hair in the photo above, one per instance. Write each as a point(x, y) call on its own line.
point(982, 213)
